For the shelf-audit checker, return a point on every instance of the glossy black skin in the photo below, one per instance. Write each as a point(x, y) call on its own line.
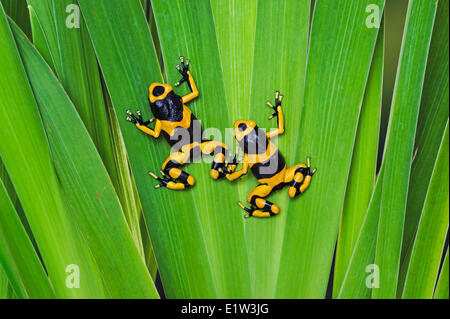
point(168, 109)
point(256, 142)
point(171, 109)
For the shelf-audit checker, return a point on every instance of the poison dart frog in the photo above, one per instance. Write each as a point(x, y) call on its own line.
point(182, 131)
point(267, 164)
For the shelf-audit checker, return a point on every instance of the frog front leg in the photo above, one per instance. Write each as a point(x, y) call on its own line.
point(142, 125)
point(186, 76)
point(278, 113)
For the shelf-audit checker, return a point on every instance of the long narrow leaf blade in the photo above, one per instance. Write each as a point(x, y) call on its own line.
point(219, 216)
point(279, 63)
point(339, 60)
point(442, 290)
point(6, 291)
point(400, 141)
point(17, 255)
point(24, 151)
point(361, 274)
point(175, 231)
point(431, 123)
point(429, 241)
point(18, 11)
point(363, 168)
point(86, 183)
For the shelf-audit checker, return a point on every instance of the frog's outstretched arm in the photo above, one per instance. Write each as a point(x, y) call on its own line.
point(141, 125)
point(187, 77)
point(279, 114)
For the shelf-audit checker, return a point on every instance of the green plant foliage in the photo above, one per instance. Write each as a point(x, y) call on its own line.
point(43, 25)
point(429, 241)
point(80, 77)
point(441, 291)
point(24, 151)
point(74, 184)
point(354, 285)
point(220, 219)
point(86, 184)
point(171, 217)
point(273, 70)
point(18, 259)
point(378, 241)
point(398, 151)
point(6, 291)
point(363, 168)
point(18, 11)
point(431, 124)
point(339, 59)
point(39, 38)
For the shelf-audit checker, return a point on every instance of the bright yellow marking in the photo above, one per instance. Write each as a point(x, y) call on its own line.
point(155, 132)
point(275, 209)
point(191, 180)
point(292, 192)
point(280, 129)
point(189, 97)
point(261, 214)
point(290, 172)
point(175, 172)
point(169, 127)
point(175, 186)
point(275, 179)
point(214, 174)
point(298, 177)
point(152, 98)
point(242, 171)
point(238, 133)
point(182, 156)
point(271, 149)
point(260, 202)
point(305, 184)
point(209, 147)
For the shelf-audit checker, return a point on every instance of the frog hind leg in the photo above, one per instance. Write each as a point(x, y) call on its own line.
point(172, 176)
point(299, 178)
point(220, 152)
point(260, 207)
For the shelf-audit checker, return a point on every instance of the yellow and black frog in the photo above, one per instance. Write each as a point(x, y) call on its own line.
point(182, 131)
point(267, 164)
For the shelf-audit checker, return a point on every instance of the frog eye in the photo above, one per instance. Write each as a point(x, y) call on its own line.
point(242, 127)
point(158, 90)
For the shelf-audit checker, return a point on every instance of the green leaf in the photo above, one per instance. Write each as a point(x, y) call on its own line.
point(278, 64)
point(400, 141)
point(431, 124)
point(356, 279)
point(6, 291)
point(221, 229)
point(339, 59)
point(43, 27)
point(354, 285)
point(39, 38)
point(423, 266)
point(173, 222)
point(18, 11)
point(17, 255)
point(25, 153)
point(362, 174)
point(86, 184)
point(442, 285)
point(78, 72)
